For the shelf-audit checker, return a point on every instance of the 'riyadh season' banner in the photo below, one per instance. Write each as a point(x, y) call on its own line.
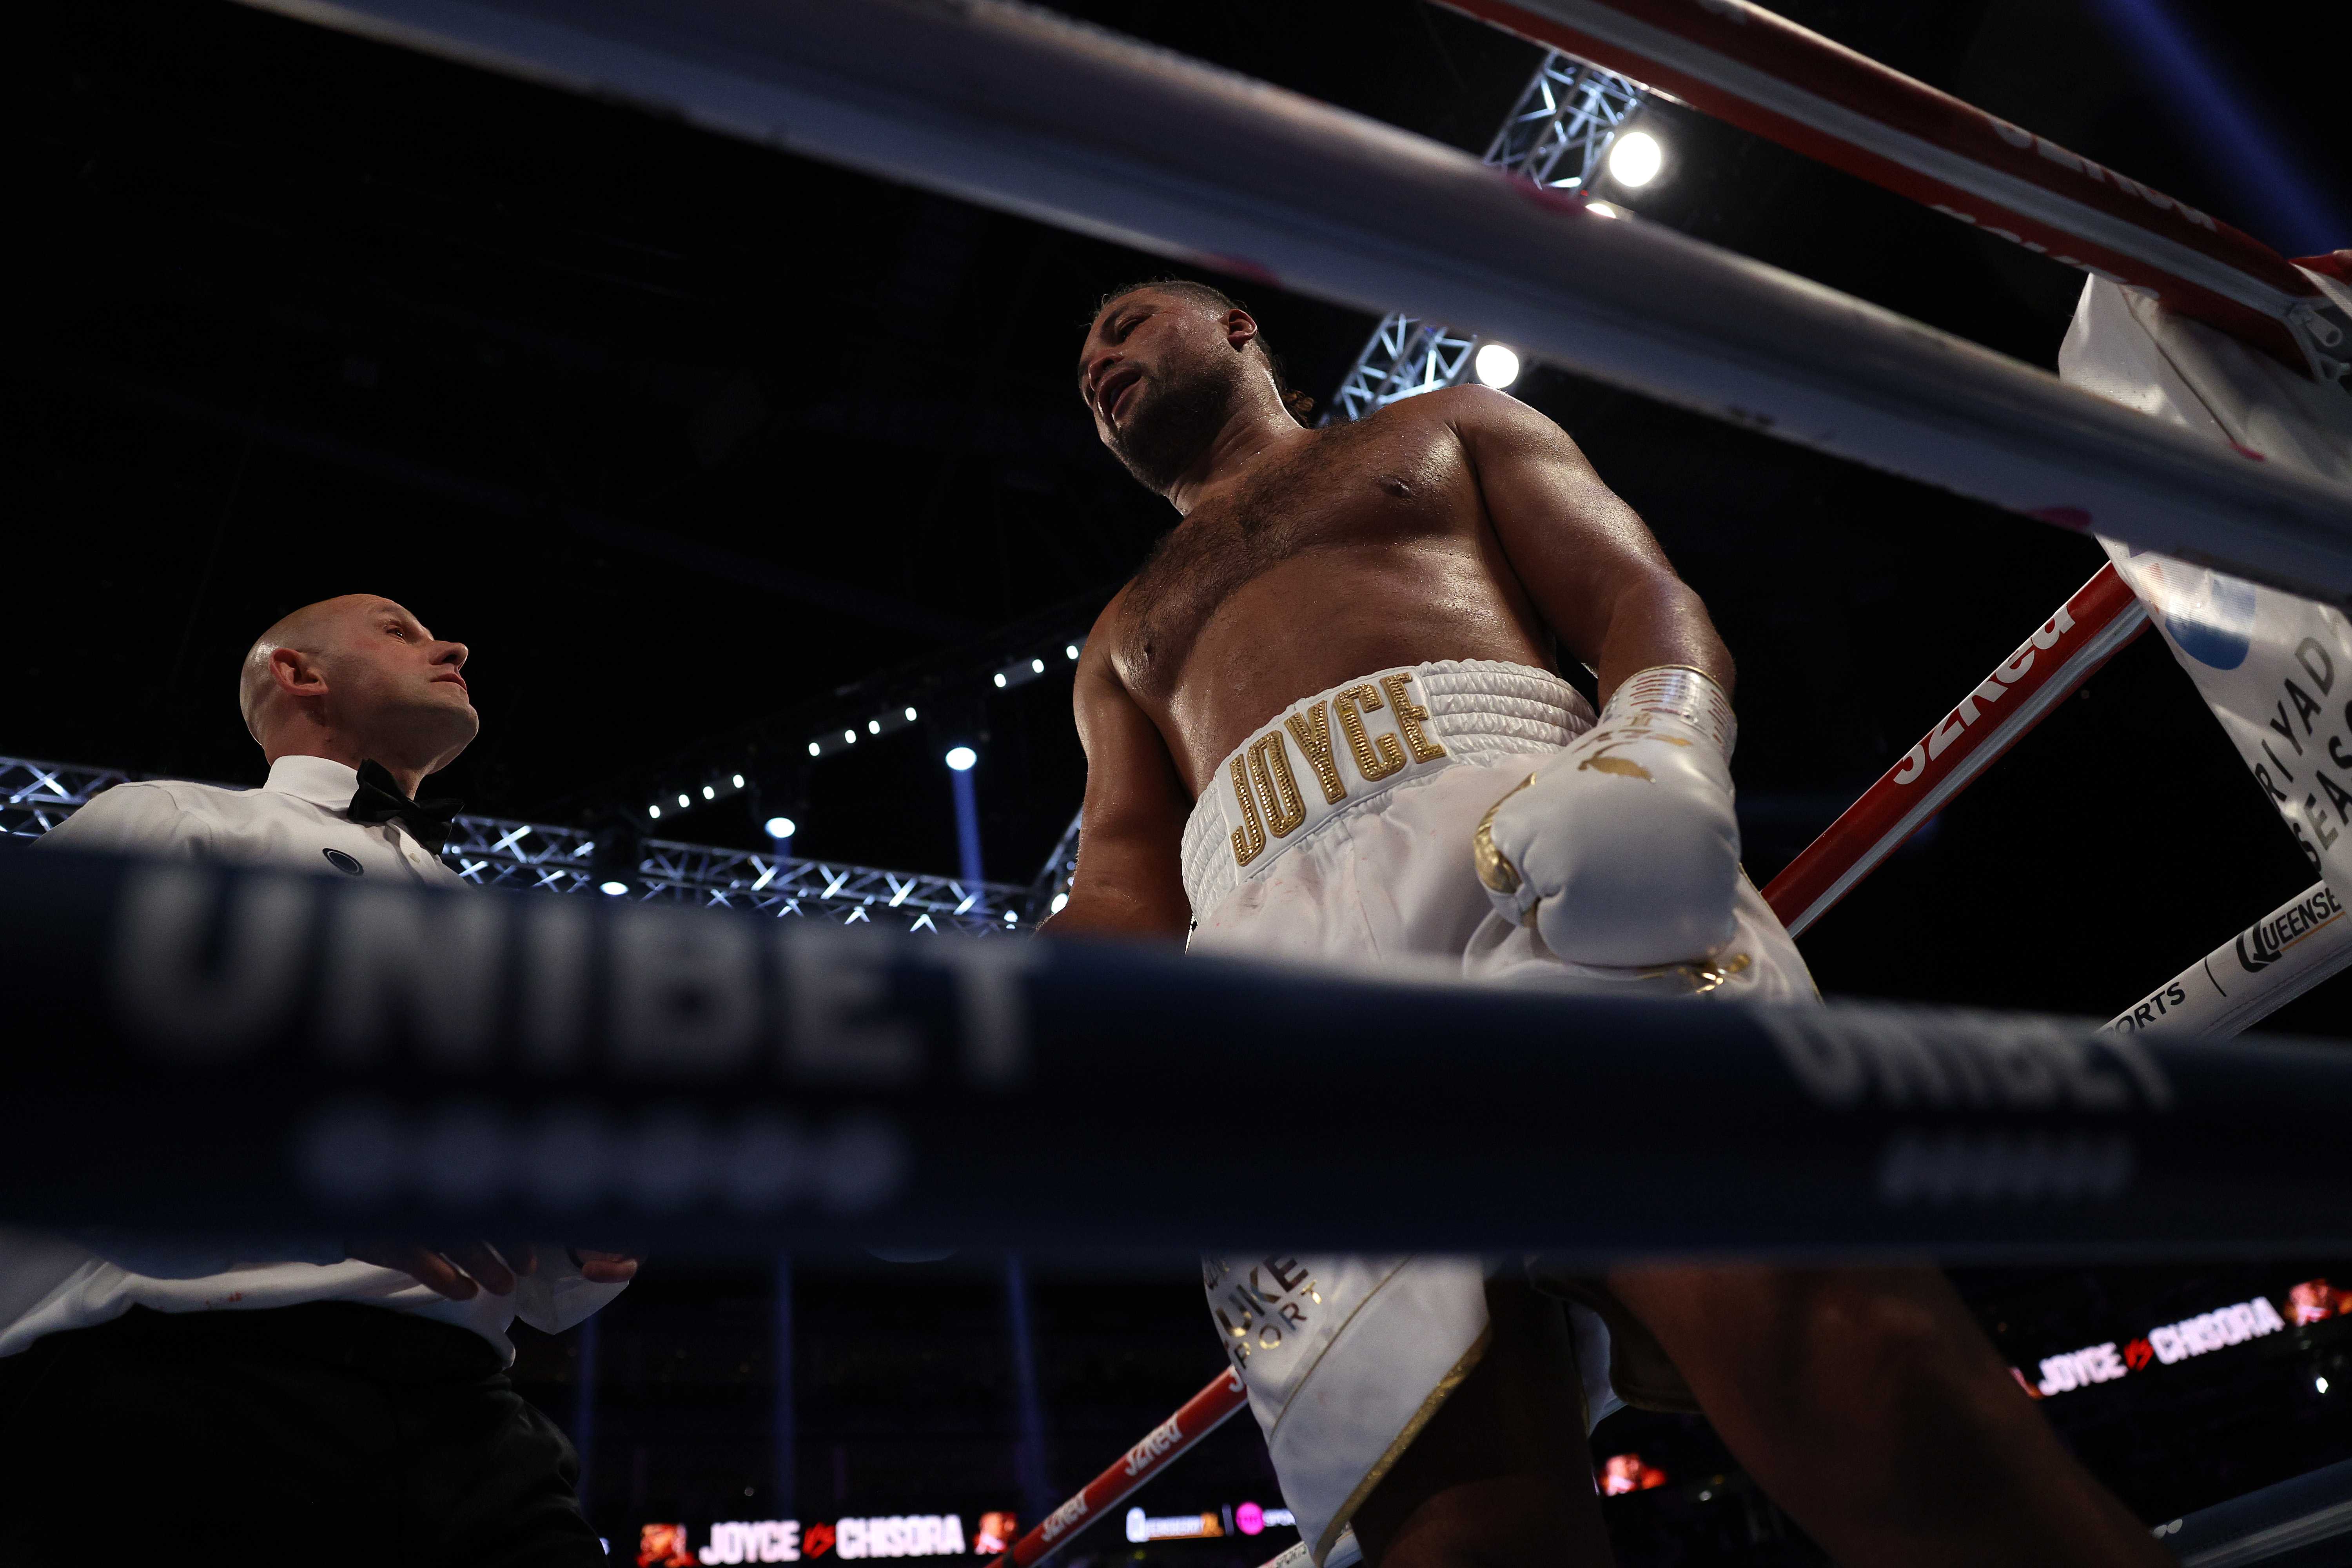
point(2276, 670)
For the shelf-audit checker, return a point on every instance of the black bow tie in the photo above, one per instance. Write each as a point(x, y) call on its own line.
point(379, 800)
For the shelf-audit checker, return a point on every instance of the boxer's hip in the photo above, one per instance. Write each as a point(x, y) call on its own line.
point(1349, 751)
point(1339, 833)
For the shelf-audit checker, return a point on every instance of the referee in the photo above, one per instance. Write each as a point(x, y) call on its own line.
point(352, 1407)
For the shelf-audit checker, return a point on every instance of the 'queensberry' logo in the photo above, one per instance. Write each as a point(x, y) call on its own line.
point(2266, 944)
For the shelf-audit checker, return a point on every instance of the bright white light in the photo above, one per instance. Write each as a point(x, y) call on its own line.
point(873, 726)
point(2320, 1384)
point(709, 793)
point(1036, 667)
point(999, 677)
point(1601, 209)
point(738, 781)
point(1070, 650)
point(1496, 365)
point(815, 750)
point(1061, 901)
point(653, 811)
point(613, 889)
point(1634, 159)
point(781, 828)
point(962, 758)
point(683, 801)
point(849, 737)
point(1012, 917)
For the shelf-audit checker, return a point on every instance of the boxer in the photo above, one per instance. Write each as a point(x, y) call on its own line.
point(1325, 720)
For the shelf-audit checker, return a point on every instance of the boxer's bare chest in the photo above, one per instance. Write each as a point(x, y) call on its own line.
point(1339, 518)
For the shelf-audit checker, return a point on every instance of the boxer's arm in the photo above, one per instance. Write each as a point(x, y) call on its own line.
point(1129, 878)
point(1591, 565)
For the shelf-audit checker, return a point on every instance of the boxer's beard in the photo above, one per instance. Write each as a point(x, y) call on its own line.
point(1173, 423)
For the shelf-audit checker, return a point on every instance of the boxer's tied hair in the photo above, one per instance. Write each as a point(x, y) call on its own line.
point(1181, 403)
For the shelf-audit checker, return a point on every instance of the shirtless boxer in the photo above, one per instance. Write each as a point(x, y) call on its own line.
point(1323, 721)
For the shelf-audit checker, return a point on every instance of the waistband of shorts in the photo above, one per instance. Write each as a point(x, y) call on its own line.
point(1331, 752)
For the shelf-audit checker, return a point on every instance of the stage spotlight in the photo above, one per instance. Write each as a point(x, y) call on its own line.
point(1634, 159)
point(614, 856)
point(910, 715)
point(849, 737)
point(781, 828)
point(1038, 664)
point(1070, 651)
point(738, 781)
point(961, 758)
point(654, 812)
point(1061, 901)
point(815, 750)
point(873, 726)
point(683, 801)
point(1496, 365)
point(1013, 917)
point(999, 679)
point(708, 792)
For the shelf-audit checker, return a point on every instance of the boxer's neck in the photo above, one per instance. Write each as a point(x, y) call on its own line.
point(1259, 427)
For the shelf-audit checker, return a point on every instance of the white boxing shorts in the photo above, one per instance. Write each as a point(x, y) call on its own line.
point(1340, 834)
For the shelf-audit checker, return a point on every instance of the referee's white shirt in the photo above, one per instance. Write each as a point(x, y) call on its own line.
point(300, 820)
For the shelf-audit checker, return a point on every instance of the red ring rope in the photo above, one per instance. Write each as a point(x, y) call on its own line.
point(2088, 630)
point(1745, 66)
point(1201, 1415)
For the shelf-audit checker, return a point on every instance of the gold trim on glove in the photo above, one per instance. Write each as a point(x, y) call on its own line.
point(1494, 868)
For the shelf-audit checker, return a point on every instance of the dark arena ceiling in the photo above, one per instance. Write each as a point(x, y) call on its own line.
point(702, 447)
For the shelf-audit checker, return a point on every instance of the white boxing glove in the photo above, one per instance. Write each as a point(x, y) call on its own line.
point(1623, 850)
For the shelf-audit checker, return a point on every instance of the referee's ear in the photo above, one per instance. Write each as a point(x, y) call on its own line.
point(294, 672)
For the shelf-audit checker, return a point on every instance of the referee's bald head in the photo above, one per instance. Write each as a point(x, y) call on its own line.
point(358, 672)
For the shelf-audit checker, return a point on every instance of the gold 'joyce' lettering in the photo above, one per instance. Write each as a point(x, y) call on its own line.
point(1409, 715)
point(1277, 789)
point(1374, 766)
point(1312, 730)
point(1249, 839)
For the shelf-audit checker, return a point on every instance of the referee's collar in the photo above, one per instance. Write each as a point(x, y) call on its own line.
point(318, 780)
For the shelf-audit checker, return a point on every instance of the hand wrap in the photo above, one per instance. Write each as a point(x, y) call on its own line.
point(1623, 850)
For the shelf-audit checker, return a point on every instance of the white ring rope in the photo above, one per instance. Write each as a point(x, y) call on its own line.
point(1020, 109)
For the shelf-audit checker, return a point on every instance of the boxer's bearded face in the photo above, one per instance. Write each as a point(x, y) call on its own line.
point(1162, 379)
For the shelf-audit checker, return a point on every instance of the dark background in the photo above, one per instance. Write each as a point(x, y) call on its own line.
point(705, 450)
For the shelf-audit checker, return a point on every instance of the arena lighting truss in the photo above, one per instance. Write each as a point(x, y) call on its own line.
point(36, 796)
point(492, 852)
point(1555, 136)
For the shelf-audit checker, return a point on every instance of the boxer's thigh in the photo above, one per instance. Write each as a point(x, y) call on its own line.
point(1501, 1477)
point(1870, 1405)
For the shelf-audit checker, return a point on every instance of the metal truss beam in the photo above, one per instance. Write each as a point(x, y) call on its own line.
point(1555, 137)
point(494, 852)
point(1061, 865)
